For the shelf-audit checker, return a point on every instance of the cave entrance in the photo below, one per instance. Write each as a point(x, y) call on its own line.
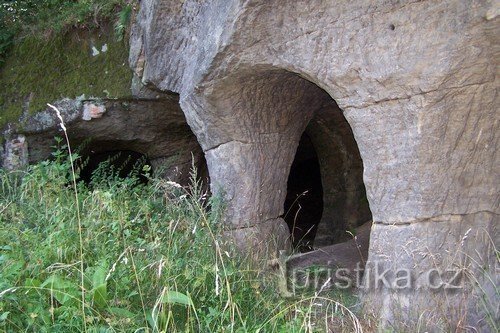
point(285, 150)
point(119, 163)
point(326, 201)
point(304, 199)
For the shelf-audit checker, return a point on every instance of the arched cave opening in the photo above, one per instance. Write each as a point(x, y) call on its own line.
point(315, 186)
point(304, 199)
point(326, 201)
point(122, 163)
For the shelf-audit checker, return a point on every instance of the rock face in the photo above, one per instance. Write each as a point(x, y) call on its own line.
point(155, 128)
point(15, 155)
point(417, 83)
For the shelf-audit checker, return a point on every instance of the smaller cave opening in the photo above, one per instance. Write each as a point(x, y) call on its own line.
point(116, 163)
point(304, 200)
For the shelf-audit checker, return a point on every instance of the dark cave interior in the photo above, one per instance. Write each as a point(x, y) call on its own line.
point(304, 200)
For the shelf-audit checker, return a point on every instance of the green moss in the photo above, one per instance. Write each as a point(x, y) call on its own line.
point(41, 71)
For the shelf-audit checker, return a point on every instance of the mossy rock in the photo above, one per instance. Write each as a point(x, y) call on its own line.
point(40, 71)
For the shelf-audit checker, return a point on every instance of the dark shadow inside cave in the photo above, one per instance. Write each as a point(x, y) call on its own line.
point(326, 200)
point(121, 163)
point(304, 200)
point(202, 175)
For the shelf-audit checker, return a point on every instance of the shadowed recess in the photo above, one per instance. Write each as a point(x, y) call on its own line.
point(304, 200)
point(121, 163)
point(326, 196)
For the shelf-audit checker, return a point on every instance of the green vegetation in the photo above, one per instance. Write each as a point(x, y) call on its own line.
point(40, 72)
point(61, 49)
point(45, 18)
point(126, 257)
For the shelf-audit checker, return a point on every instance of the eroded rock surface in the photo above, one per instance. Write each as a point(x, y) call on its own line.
point(15, 153)
point(417, 83)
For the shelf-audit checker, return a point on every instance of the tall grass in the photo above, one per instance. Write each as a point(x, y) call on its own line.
point(151, 259)
point(121, 256)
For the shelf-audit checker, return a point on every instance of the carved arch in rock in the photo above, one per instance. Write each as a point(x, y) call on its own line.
point(249, 124)
point(333, 208)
